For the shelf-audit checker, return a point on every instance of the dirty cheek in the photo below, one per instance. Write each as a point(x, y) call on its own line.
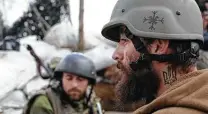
point(120, 50)
point(134, 55)
point(127, 55)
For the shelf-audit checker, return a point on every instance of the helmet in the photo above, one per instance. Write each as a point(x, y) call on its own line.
point(161, 19)
point(77, 64)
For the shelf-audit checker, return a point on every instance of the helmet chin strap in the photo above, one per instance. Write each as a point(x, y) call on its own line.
point(193, 52)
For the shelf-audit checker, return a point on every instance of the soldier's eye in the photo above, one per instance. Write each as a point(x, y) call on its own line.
point(80, 79)
point(69, 77)
point(124, 30)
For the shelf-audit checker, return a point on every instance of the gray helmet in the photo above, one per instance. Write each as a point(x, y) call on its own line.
point(162, 19)
point(77, 64)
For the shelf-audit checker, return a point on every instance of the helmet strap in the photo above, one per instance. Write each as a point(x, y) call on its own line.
point(90, 93)
point(193, 52)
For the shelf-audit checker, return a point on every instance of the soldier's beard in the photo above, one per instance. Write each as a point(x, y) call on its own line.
point(138, 85)
point(75, 94)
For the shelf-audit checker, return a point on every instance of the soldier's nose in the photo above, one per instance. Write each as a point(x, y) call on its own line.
point(74, 83)
point(117, 56)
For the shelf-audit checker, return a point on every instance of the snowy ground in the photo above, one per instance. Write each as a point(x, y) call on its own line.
point(19, 76)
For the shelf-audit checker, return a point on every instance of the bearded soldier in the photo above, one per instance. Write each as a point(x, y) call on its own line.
point(71, 90)
point(158, 46)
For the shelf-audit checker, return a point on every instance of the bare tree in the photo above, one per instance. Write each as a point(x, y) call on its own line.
point(1, 27)
point(81, 26)
point(68, 11)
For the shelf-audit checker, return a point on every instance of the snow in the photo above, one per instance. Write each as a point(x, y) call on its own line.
point(13, 111)
point(106, 41)
point(43, 49)
point(91, 41)
point(35, 85)
point(62, 35)
point(61, 53)
point(16, 69)
point(101, 56)
point(15, 99)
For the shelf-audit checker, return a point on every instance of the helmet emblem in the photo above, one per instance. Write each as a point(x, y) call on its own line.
point(153, 20)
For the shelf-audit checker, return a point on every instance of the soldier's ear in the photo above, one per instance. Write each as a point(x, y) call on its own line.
point(158, 47)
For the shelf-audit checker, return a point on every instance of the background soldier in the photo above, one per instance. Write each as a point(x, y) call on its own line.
point(71, 90)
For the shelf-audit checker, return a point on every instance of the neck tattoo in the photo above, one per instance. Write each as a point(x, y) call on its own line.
point(169, 76)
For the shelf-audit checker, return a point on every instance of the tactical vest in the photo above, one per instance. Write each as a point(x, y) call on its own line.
point(57, 106)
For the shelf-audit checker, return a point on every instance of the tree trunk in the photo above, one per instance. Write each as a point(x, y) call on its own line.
point(1, 27)
point(68, 11)
point(81, 26)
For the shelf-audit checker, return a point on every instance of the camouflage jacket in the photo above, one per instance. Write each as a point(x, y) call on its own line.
point(48, 102)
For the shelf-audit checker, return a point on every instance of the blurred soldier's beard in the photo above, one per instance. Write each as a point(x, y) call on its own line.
point(75, 94)
point(138, 85)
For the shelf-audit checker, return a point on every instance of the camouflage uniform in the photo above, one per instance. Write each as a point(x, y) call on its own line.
point(48, 102)
point(54, 100)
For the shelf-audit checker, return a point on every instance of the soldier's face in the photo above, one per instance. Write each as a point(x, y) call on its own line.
point(74, 86)
point(133, 85)
point(125, 53)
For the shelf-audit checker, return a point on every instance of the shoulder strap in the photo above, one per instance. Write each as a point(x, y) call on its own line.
point(55, 101)
point(30, 103)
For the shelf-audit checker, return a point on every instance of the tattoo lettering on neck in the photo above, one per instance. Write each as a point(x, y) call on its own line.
point(169, 76)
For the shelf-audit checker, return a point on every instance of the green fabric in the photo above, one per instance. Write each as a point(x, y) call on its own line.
point(41, 106)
